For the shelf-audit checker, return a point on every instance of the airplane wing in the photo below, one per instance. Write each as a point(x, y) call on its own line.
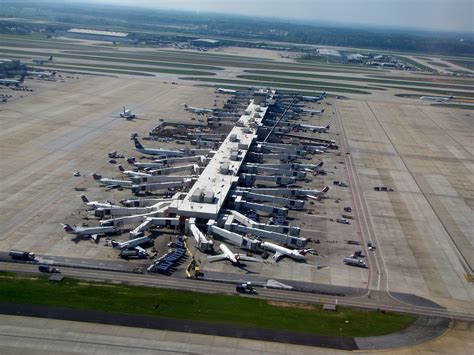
point(140, 249)
point(94, 237)
point(111, 187)
point(244, 257)
point(277, 256)
point(216, 257)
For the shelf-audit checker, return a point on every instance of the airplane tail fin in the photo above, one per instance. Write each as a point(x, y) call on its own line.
point(328, 126)
point(50, 59)
point(120, 167)
point(185, 106)
point(323, 94)
point(22, 78)
point(138, 145)
point(326, 189)
point(321, 163)
point(322, 111)
point(84, 198)
point(96, 177)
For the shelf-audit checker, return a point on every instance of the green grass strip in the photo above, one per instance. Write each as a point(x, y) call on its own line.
point(115, 59)
point(175, 304)
point(358, 79)
point(276, 86)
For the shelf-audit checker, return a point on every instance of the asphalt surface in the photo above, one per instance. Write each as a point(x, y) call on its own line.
point(180, 325)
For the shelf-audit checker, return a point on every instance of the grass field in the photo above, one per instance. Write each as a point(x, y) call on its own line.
point(468, 64)
point(438, 64)
point(280, 80)
point(252, 312)
point(437, 92)
point(358, 79)
point(298, 88)
point(127, 69)
point(116, 59)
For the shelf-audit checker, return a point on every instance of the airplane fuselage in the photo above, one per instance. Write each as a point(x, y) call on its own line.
point(282, 251)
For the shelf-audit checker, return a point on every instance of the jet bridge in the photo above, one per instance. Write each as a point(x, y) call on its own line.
point(296, 204)
point(282, 192)
point(166, 222)
point(235, 238)
point(148, 188)
point(250, 179)
point(239, 217)
point(193, 168)
point(204, 244)
point(139, 180)
point(242, 204)
point(284, 239)
point(260, 168)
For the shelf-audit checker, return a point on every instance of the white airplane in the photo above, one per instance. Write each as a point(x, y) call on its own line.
point(131, 173)
point(282, 251)
point(163, 152)
point(314, 98)
point(313, 112)
point(127, 113)
point(112, 183)
point(41, 61)
point(92, 232)
point(96, 204)
point(12, 82)
point(226, 91)
point(232, 257)
point(318, 194)
point(42, 74)
point(198, 110)
point(318, 129)
point(439, 99)
point(131, 244)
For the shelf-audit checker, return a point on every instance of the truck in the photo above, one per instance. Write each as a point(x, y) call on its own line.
point(245, 288)
point(22, 255)
point(354, 262)
point(133, 253)
point(48, 269)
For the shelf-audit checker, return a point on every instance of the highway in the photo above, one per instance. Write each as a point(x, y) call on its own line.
point(376, 300)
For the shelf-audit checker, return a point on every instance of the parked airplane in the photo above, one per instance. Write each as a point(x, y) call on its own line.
point(318, 129)
point(314, 98)
point(127, 113)
point(41, 61)
point(131, 173)
point(313, 112)
point(42, 74)
point(282, 251)
point(198, 110)
point(226, 91)
point(439, 99)
point(163, 152)
point(92, 232)
point(95, 204)
point(12, 82)
point(131, 244)
point(318, 194)
point(112, 183)
point(232, 257)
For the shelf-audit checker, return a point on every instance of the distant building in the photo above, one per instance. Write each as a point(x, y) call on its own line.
point(11, 67)
point(203, 42)
point(108, 36)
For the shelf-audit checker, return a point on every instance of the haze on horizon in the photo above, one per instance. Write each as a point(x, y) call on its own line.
point(446, 15)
